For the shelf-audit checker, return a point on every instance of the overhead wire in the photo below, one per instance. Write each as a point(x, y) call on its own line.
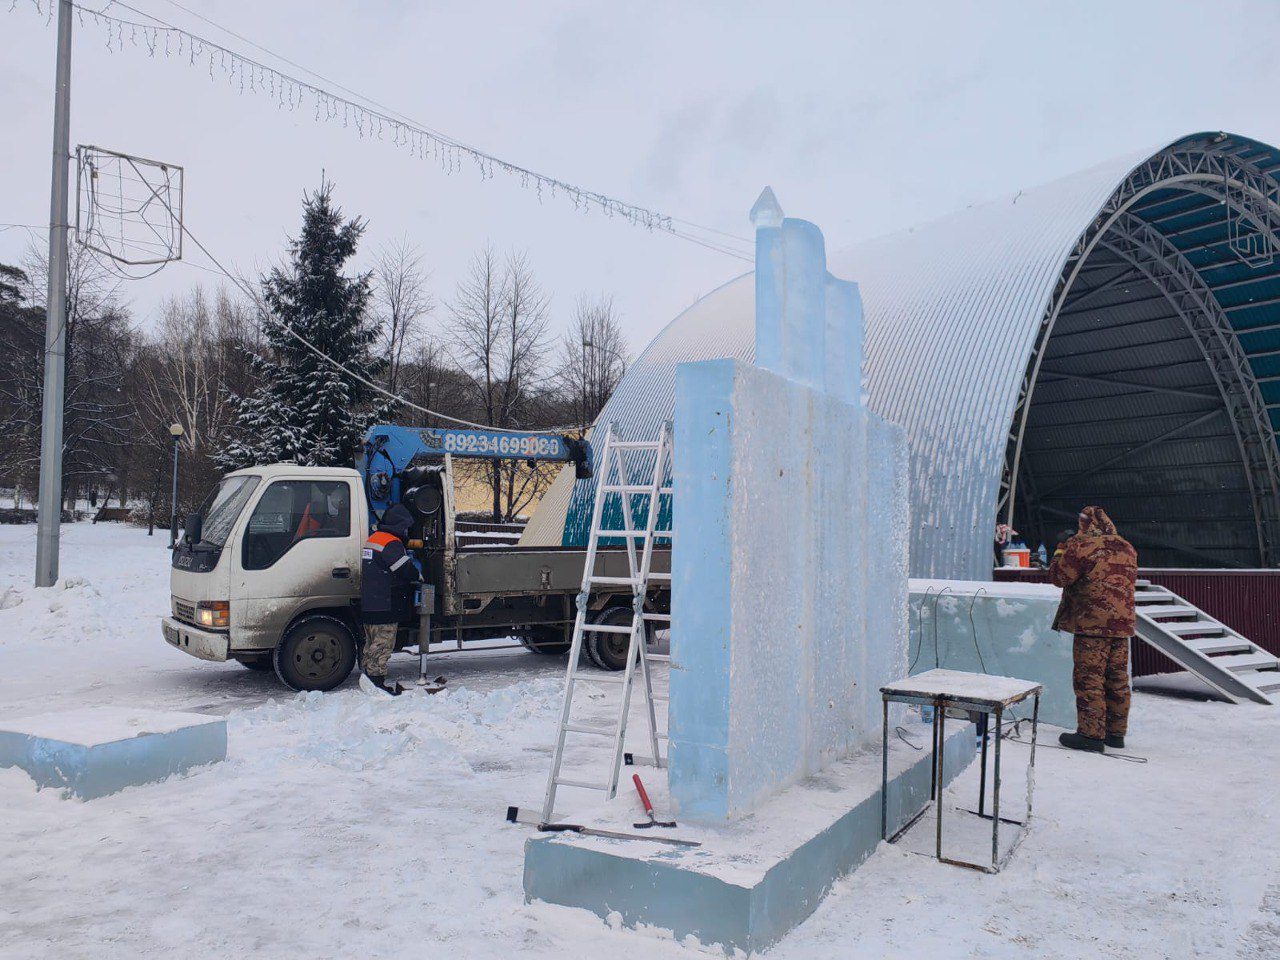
point(339, 365)
point(372, 116)
point(710, 245)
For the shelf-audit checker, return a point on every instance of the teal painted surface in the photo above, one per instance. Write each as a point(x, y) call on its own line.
point(981, 631)
point(668, 891)
point(88, 772)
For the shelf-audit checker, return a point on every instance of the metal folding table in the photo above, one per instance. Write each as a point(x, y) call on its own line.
point(974, 693)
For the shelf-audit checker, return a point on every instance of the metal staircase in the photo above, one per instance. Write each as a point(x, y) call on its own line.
point(639, 484)
point(1232, 664)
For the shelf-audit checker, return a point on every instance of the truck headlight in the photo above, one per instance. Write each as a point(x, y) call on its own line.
point(214, 613)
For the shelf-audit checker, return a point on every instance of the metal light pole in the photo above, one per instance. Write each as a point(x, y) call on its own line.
point(591, 345)
point(55, 337)
point(175, 431)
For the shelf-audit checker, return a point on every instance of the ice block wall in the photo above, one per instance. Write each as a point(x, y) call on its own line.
point(997, 628)
point(789, 588)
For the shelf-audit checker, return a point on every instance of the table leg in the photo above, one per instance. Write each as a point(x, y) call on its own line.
point(933, 764)
point(982, 783)
point(939, 751)
point(884, 776)
point(1031, 763)
point(995, 799)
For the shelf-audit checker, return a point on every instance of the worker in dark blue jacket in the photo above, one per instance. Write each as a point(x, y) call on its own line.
point(387, 579)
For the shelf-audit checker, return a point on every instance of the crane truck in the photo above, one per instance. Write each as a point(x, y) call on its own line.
point(267, 572)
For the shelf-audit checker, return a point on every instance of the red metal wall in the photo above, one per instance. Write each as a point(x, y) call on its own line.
point(1245, 600)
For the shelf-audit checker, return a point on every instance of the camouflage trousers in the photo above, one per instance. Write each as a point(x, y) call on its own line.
point(379, 644)
point(1101, 679)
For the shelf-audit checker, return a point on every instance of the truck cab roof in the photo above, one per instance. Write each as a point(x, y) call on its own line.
point(270, 471)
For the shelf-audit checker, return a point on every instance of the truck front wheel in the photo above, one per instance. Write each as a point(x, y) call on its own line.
point(316, 653)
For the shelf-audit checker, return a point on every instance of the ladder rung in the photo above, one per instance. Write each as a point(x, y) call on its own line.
point(623, 533)
point(565, 782)
point(1186, 627)
point(1225, 644)
point(594, 731)
point(1168, 610)
point(614, 581)
point(1247, 661)
point(634, 445)
point(660, 698)
point(596, 678)
point(605, 628)
point(653, 575)
point(660, 617)
point(628, 488)
point(658, 657)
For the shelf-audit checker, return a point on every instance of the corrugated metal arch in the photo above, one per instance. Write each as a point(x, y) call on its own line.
point(956, 313)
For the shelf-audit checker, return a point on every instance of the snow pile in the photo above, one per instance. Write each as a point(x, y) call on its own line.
point(345, 827)
point(348, 730)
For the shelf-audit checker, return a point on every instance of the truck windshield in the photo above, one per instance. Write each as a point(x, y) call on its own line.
point(223, 507)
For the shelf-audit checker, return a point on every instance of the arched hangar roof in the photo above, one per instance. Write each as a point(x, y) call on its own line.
point(1113, 335)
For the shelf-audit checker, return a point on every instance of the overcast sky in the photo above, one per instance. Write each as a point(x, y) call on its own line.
point(864, 117)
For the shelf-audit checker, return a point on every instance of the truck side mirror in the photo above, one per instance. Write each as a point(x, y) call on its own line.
point(193, 529)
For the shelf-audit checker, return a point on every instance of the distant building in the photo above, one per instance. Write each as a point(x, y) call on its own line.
point(1112, 338)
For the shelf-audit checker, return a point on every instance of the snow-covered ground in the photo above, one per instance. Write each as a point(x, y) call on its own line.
point(342, 826)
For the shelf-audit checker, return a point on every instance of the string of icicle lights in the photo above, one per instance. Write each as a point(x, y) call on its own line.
point(251, 76)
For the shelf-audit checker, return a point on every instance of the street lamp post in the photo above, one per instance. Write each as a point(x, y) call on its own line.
point(175, 431)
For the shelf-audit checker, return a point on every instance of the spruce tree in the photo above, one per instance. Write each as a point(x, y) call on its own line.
point(304, 409)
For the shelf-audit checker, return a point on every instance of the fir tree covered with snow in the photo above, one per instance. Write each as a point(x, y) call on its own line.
point(305, 409)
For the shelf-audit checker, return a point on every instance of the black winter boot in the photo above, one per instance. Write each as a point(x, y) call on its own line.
point(1115, 742)
point(1075, 741)
point(381, 685)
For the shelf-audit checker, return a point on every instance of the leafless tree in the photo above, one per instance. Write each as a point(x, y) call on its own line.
point(188, 371)
point(99, 340)
point(402, 302)
point(593, 357)
point(498, 325)
point(196, 344)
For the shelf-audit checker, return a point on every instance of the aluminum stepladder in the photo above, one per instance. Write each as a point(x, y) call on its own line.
point(621, 478)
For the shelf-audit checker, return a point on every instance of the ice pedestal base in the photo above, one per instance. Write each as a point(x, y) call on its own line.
point(92, 752)
point(754, 879)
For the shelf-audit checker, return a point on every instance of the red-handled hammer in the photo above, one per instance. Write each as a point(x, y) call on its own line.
point(648, 807)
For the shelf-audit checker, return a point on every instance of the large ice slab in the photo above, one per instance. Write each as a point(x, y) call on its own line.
point(788, 595)
point(94, 751)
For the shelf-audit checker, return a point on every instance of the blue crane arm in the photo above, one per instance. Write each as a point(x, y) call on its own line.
point(389, 449)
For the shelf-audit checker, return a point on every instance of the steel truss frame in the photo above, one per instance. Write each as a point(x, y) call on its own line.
point(1251, 196)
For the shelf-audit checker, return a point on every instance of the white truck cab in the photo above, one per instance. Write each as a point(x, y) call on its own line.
point(270, 575)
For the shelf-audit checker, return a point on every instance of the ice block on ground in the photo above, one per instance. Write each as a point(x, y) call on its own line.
point(94, 751)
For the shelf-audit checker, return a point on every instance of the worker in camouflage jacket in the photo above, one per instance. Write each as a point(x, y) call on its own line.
point(1097, 570)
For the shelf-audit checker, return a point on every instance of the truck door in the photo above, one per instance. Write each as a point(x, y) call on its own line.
point(300, 550)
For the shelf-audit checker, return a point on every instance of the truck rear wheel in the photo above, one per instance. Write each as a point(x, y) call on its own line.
point(316, 653)
point(608, 651)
